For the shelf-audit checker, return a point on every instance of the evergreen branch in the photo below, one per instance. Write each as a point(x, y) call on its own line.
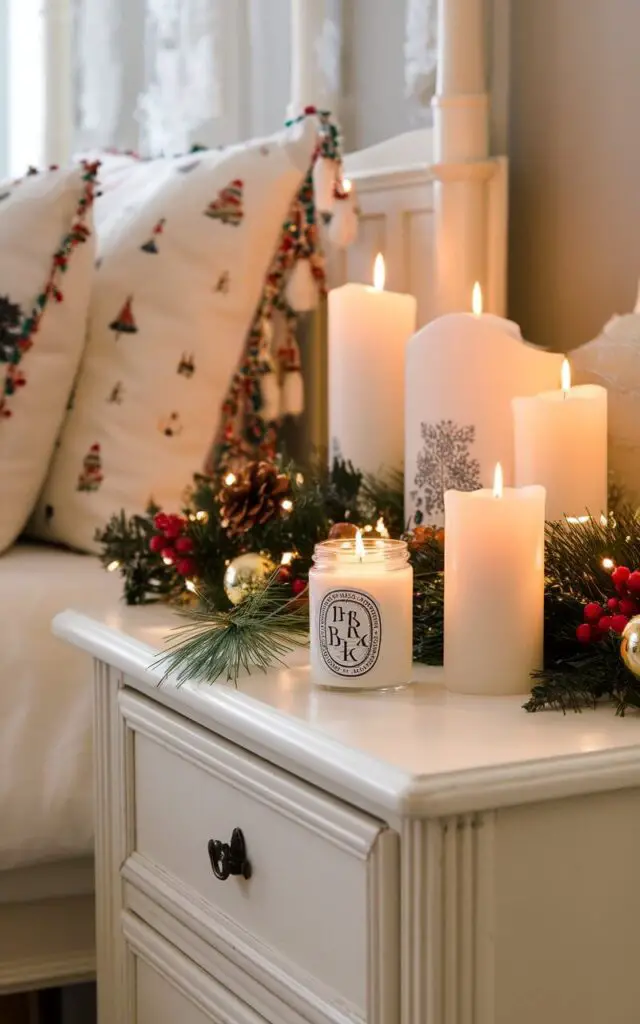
point(257, 633)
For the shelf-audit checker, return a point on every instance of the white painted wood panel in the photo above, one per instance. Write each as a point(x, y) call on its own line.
point(567, 908)
point(311, 856)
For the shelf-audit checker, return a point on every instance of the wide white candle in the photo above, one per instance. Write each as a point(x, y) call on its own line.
point(361, 611)
point(494, 588)
point(463, 370)
point(560, 440)
point(368, 333)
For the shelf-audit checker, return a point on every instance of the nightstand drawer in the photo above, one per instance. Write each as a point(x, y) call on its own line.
point(322, 898)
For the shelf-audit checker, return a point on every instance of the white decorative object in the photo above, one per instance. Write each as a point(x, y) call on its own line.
point(462, 373)
point(368, 332)
point(494, 588)
point(361, 608)
point(37, 367)
point(421, 50)
point(343, 229)
point(100, 70)
point(174, 297)
point(184, 55)
point(560, 442)
point(612, 360)
point(402, 825)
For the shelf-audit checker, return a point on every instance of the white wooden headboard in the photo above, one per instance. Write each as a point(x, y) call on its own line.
point(433, 201)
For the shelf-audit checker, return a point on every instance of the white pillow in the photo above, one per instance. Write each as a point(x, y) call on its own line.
point(177, 289)
point(46, 269)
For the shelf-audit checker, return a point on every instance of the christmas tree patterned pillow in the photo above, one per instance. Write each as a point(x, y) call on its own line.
point(176, 290)
point(46, 270)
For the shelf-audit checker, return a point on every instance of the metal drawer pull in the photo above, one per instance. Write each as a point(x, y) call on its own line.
point(229, 858)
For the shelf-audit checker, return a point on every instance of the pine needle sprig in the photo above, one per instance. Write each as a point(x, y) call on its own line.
point(256, 634)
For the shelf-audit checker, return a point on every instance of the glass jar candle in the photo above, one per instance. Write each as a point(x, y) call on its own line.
point(361, 610)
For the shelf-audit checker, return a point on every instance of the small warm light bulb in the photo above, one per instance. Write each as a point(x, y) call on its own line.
point(299, 479)
point(112, 566)
point(381, 528)
point(565, 376)
point(608, 564)
point(230, 479)
point(202, 516)
point(379, 273)
point(497, 481)
point(346, 186)
point(286, 505)
point(476, 299)
point(287, 558)
point(360, 548)
point(190, 585)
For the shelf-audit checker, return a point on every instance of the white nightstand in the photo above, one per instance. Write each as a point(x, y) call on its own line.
point(414, 857)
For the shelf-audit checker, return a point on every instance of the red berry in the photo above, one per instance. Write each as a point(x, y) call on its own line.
point(629, 607)
point(160, 521)
point(583, 633)
point(186, 567)
point(633, 582)
point(593, 612)
point(613, 604)
point(618, 622)
point(175, 526)
point(620, 576)
point(604, 625)
point(298, 586)
point(283, 574)
point(157, 543)
point(184, 545)
point(168, 555)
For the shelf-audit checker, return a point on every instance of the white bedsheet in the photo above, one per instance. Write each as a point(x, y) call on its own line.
point(45, 704)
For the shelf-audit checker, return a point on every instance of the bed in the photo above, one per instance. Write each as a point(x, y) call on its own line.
point(435, 203)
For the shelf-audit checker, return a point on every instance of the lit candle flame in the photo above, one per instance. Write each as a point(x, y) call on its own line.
point(497, 481)
point(360, 548)
point(476, 299)
point(565, 375)
point(381, 528)
point(346, 186)
point(378, 273)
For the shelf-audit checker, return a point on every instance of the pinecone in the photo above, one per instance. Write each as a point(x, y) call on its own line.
point(252, 497)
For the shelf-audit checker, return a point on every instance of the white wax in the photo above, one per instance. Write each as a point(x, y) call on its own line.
point(463, 371)
point(494, 590)
point(368, 334)
point(365, 639)
point(560, 440)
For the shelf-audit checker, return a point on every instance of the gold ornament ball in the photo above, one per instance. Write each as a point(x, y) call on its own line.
point(630, 646)
point(244, 573)
point(343, 531)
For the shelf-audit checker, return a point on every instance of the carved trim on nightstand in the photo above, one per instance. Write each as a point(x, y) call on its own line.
point(447, 898)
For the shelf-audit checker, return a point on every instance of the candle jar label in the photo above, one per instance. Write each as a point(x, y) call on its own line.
point(350, 632)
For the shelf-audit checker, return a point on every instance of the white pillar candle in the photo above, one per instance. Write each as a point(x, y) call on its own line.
point(368, 333)
point(463, 371)
point(560, 440)
point(494, 588)
point(361, 611)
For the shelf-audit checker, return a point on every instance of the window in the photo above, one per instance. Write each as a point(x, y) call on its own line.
point(22, 86)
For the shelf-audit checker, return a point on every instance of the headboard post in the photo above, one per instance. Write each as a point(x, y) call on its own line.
point(308, 19)
point(461, 145)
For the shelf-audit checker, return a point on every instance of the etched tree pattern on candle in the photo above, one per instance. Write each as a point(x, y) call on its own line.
point(444, 463)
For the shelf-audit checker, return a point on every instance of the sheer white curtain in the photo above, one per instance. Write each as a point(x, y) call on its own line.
point(35, 84)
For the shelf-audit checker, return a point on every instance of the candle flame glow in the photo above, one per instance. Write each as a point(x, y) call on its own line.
point(379, 273)
point(360, 548)
point(565, 375)
point(346, 186)
point(381, 528)
point(476, 299)
point(497, 481)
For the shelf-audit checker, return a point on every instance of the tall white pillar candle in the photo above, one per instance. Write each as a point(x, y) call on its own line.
point(560, 441)
point(462, 373)
point(361, 612)
point(494, 588)
point(368, 333)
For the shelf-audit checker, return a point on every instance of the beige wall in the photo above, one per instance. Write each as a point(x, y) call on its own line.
point(574, 143)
